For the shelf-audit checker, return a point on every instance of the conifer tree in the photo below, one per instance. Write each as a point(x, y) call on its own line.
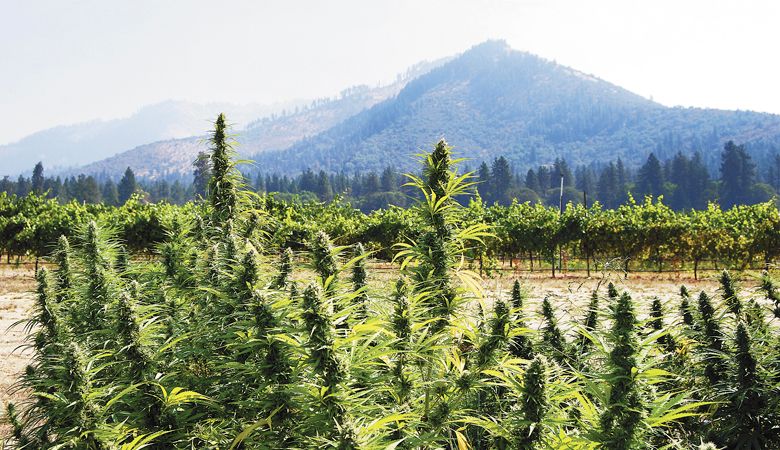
point(37, 179)
point(201, 175)
point(651, 179)
point(127, 186)
point(737, 175)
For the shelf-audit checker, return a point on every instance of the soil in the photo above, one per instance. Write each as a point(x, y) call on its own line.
point(16, 298)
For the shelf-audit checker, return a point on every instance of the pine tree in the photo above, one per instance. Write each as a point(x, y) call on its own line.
point(501, 180)
point(389, 179)
point(110, 193)
point(608, 187)
point(679, 175)
point(584, 180)
point(531, 181)
point(37, 179)
point(651, 180)
point(23, 186)
point(324, 189)
point(561, 169)
point(737, 175)
point(201, 174)
point(127, 186)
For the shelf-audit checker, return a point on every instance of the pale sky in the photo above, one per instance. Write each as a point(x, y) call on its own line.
point(64, 62)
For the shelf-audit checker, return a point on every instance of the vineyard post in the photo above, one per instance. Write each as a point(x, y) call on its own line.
point(560, 214)
point(585, 238)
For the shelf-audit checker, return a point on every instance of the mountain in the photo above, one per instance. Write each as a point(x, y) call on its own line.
point(79, 144)
point(489, 101)
point(271, 132)
point(492, 100)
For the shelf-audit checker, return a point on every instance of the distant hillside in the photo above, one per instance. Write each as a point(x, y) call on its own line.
point(488, 101)
point(492, 101)
point(273, 132)
point(79, 144)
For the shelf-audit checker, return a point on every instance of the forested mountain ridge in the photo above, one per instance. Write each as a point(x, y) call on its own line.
point(490, 101)
point(493, 101)
point(271, 132)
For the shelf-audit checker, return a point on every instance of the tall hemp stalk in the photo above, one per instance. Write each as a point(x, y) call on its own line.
point(621, 419)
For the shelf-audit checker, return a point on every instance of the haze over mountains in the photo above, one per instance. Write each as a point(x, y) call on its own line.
point(72, 146)
point(489, 101)
point(493, 101)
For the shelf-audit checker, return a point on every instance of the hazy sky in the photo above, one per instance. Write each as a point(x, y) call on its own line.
point(65, 61)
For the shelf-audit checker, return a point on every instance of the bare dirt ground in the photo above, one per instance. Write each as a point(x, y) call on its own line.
point(16, 298)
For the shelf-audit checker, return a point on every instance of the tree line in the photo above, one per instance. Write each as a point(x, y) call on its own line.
point(684, 182)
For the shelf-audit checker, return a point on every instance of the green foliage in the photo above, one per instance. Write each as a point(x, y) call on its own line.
point(324, 259)
point(713, 337)
point(222, 186)
point(621, 420)
point(591, 321)
point(729, 292)
point(359, 281)
point(285, 269)
point(552, 335)
point(520, 344)
point(207, 342)
point(770, 290)
point(685, 306)
point(534, 403)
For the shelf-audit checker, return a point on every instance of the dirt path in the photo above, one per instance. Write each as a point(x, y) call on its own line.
point(16, 298)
